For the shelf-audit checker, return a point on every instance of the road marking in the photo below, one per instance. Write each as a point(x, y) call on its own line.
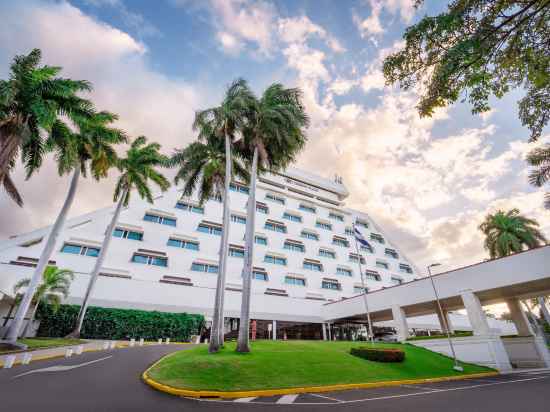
point(286, 399)
point(62, 368)
point(419, 387)
point(325, 397)
point(244, 400)
point(389, 396)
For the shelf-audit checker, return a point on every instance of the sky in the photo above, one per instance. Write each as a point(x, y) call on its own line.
point(428, 182)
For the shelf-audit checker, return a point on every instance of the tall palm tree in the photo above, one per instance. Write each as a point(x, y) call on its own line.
point(31, 100)
point(540, 158)
point(88, 148)
point(202, 166)
point(137, 168)
point(273, 137)
point(509, 232)
point(55, 284)
point(224, 122)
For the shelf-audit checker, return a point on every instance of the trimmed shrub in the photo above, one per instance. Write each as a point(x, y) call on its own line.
point(108, 323)
point(378, 354)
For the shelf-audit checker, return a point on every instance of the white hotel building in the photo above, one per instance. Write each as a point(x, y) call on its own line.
point(165, 255)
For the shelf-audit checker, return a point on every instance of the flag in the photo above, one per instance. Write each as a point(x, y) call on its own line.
point(360, 238)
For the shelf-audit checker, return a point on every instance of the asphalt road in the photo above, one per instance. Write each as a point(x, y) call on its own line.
point(110, 381)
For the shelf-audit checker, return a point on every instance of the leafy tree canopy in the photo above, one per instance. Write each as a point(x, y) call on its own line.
point(477, 49)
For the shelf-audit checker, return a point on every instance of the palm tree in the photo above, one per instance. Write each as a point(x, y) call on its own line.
point(541, 302)
point(540, 158)
point(274, 135)
point(55, 284)
point(137, 168)
point(30, 102)
point(509, 232)
point(76, 152)
point(225, 122)
point(202, 166)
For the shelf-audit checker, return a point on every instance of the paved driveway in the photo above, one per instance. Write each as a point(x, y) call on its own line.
point(110, 381)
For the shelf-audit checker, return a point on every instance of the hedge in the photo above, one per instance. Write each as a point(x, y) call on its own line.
point(108, 323)
point(379, 355)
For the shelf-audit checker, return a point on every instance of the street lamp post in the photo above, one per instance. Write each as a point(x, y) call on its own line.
point(456, 366)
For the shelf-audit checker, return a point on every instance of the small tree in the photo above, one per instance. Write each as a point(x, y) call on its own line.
point(540, 159)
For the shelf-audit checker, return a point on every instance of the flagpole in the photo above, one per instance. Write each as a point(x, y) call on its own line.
point(371, 336)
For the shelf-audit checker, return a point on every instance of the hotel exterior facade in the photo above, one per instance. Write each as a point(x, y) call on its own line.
point(164, 256)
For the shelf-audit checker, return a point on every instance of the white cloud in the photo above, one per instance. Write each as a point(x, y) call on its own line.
point(371, 26)
point(148, 102)
point(342, 86)
point(300, 29)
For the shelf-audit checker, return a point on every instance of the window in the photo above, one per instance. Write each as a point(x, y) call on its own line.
point(314, 265)
point(306, 234)
point(259, 274)
point(80, 250)
point(377, 238)
point(291, 280)
point(262, 208)
point(344, 271)
point(327, 253)
point(238, 187)
point(361, 223)
point(367, 248)
point(323, 225)
point(169, 221)
point(360, 289)
point(238, 219)
point(403, 267)
point(275, 198)
point(372, 275)
point(396, 280)
point(236, 251)
point(204, 267)
point(391, 253)
point(276, 260)
point(292, 217)
point(382, 264)
point(127, 234)
point(354, 257)
point(331, 284)
point(349, 231)
point(336, 216)
point(275, 226)
point(189, 207)
point(260, 240)
point(184, 244)
point(212, 229)
point(340, 241)
point(307, 208)
point(147, 259)
point(294, 245)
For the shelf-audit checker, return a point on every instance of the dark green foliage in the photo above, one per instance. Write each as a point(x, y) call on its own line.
point(477, 49)
point(107, 323)
point(379, 355)
point(539, 158)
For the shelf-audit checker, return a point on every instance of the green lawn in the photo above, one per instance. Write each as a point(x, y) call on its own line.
point(289, 364)
point(44, 343)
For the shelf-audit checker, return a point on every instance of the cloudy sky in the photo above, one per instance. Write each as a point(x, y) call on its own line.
point(428, 182)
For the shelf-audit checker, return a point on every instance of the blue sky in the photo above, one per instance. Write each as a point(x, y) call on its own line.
point(428, 182)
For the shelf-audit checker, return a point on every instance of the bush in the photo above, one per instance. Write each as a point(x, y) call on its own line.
point(379, 355)
point(107, 323)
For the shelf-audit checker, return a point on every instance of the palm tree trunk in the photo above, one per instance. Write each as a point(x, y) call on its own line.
point(544, 309)
point(97, 267)
point(30, 322)
point(15, 326)
point(216, 334)
point(243, 344)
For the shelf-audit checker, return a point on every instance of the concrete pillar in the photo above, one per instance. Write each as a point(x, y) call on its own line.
point(400, 323)
point(323, 325)
point(477, 317)
point(274, 330)
point(444, 320)
point(519, 318)
point(329, 332)
point(544, 309)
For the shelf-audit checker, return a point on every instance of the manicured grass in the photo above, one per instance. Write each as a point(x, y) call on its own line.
point(290, 364)
point(44, 343)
